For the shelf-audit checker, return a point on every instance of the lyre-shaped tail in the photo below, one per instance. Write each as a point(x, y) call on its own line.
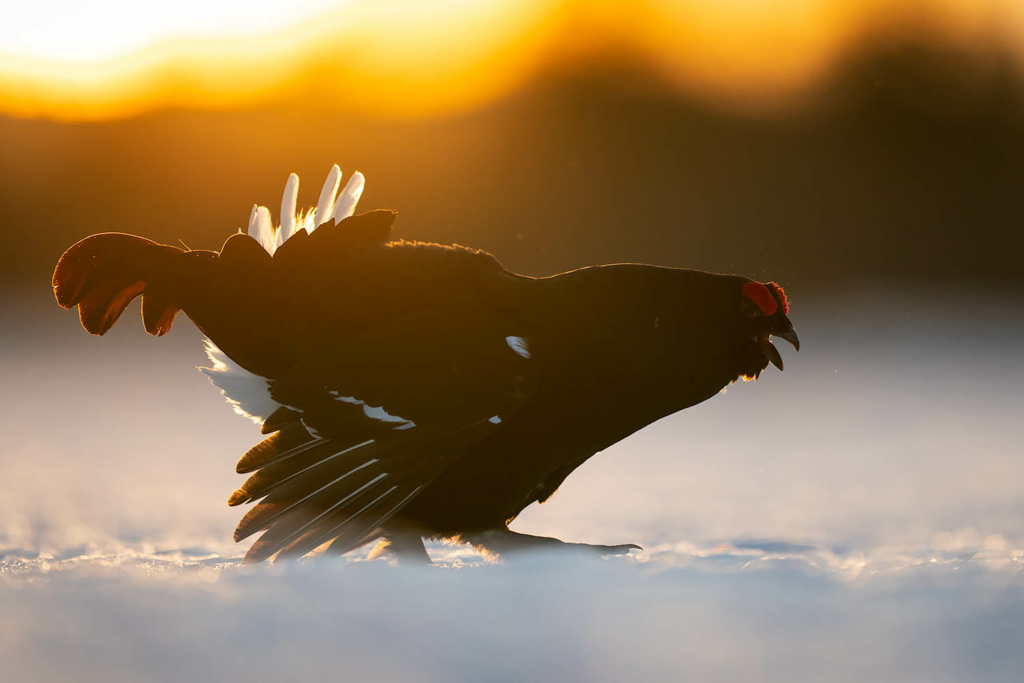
point(103, 273)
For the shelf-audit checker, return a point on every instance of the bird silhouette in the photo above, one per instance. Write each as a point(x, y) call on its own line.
point(411, 390)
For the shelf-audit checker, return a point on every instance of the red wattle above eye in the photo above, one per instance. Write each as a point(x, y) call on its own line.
point(781, 295)
point(760, 295)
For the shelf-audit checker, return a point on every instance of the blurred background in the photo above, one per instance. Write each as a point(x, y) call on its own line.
point(816, 142)
point(866, 154)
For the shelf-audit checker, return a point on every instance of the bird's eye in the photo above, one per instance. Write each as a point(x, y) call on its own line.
point(750, 309)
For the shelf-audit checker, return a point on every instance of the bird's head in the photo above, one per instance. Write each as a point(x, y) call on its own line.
point(761, 312)
point(714, 329)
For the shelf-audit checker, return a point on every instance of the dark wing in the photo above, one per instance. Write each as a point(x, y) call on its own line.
point(367, 424)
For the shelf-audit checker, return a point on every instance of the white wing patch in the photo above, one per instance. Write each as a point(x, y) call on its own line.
point(382, 415)
point(518, 344)
point(330, 205)
point(374, 413)
point(248, 394)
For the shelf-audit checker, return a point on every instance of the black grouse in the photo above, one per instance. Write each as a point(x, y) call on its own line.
point(412, 390)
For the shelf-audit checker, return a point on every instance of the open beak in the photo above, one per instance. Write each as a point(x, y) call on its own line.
point(769, 350)
point(789, 334)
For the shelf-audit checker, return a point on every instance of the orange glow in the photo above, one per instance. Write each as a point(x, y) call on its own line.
point(408, 58)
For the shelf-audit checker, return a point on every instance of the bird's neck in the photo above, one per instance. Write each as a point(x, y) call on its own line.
point(605, 333)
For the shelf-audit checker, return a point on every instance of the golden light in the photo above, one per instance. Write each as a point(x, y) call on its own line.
point(75, 32)
point(406, 57)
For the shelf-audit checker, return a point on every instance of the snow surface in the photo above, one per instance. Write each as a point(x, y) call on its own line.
point(857, 517)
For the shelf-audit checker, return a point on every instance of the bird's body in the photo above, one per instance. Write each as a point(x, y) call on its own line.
point(414, 389)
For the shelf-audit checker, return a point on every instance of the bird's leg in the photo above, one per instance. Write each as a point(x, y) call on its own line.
point(404, 545)
point(504, 542)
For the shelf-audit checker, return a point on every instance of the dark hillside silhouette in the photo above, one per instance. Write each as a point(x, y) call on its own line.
point(903, 164)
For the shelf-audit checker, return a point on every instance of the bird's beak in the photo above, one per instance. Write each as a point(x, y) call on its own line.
point(789, 334)
point(769, 350)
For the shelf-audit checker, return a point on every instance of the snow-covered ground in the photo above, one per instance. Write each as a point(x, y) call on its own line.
point(860, 516)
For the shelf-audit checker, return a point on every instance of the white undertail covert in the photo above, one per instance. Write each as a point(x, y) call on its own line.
point(249, 394)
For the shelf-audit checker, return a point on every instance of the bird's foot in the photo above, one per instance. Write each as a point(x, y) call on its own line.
point(404, 547)
point(505, 543)
point(605, 549)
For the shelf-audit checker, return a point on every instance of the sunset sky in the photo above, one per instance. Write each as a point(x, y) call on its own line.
point(73, 60)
